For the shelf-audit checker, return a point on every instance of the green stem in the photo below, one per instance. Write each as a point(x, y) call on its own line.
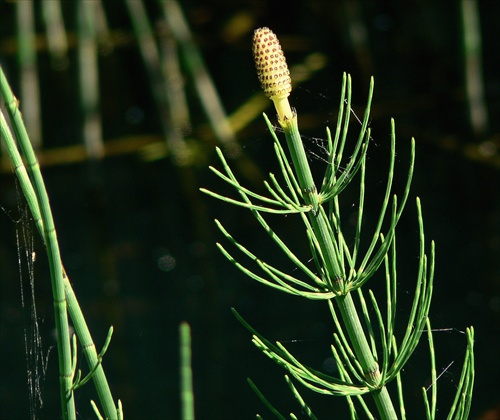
point(203, 82)
point(186, 372)
point(364, 355)
point(334, 270)
point(89, 350)
point(299, 159)
point(68, 296)
point(318, 218)
point(50, 238)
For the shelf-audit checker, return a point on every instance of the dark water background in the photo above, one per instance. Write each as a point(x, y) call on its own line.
point(138, 239)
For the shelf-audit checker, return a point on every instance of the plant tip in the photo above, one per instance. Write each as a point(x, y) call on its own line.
point(270, 62)
point(272, 70)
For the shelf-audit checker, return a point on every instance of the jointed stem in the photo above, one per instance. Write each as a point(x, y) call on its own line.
point(302, 169)
point(364, 355)
point(335, 275)
point(50, 239)
point(89, 350)
point(64, 297)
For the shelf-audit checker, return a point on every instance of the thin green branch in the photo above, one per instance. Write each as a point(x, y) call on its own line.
point(265, 400)
point(421, 303)
point(368, 323)
point(399, 383)
point(278, 276)
point(351, 363)
point(383, 336)
point(306, 375)
point(431, 409)
point(463, 397)
point(305, 408)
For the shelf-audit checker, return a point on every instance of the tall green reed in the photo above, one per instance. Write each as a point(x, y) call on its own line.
point(65, 301)
point(367, 352)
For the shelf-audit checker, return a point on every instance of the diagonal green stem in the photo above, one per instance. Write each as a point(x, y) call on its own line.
point(68, 300)
point(89, 350)
point(50, 238)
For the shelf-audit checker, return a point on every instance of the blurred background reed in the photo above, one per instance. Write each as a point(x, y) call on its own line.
point(125, 101)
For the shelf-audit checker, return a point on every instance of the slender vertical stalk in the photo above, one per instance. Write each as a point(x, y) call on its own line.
point(148, 48)
point(335, 274)
point(275, 80)
point(186, 372)
point(362, 350)
point(473, 66)
point(204, 85)
point(164, 77)
point(57, 41)
point(89, 80)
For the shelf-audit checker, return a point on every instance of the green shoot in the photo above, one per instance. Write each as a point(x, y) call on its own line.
point(367, 352)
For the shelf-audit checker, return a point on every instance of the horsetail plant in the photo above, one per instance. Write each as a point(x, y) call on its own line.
point(65, 301)
point(367, 353)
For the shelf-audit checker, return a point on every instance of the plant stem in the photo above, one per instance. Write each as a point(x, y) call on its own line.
point(334, 273)
point(73, 307)
point(186, 372)
point(89, 350)
point(317, 218)
point(50, 238)
point(364, 355)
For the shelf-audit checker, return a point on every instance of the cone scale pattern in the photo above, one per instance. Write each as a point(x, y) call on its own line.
point(270, 62)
